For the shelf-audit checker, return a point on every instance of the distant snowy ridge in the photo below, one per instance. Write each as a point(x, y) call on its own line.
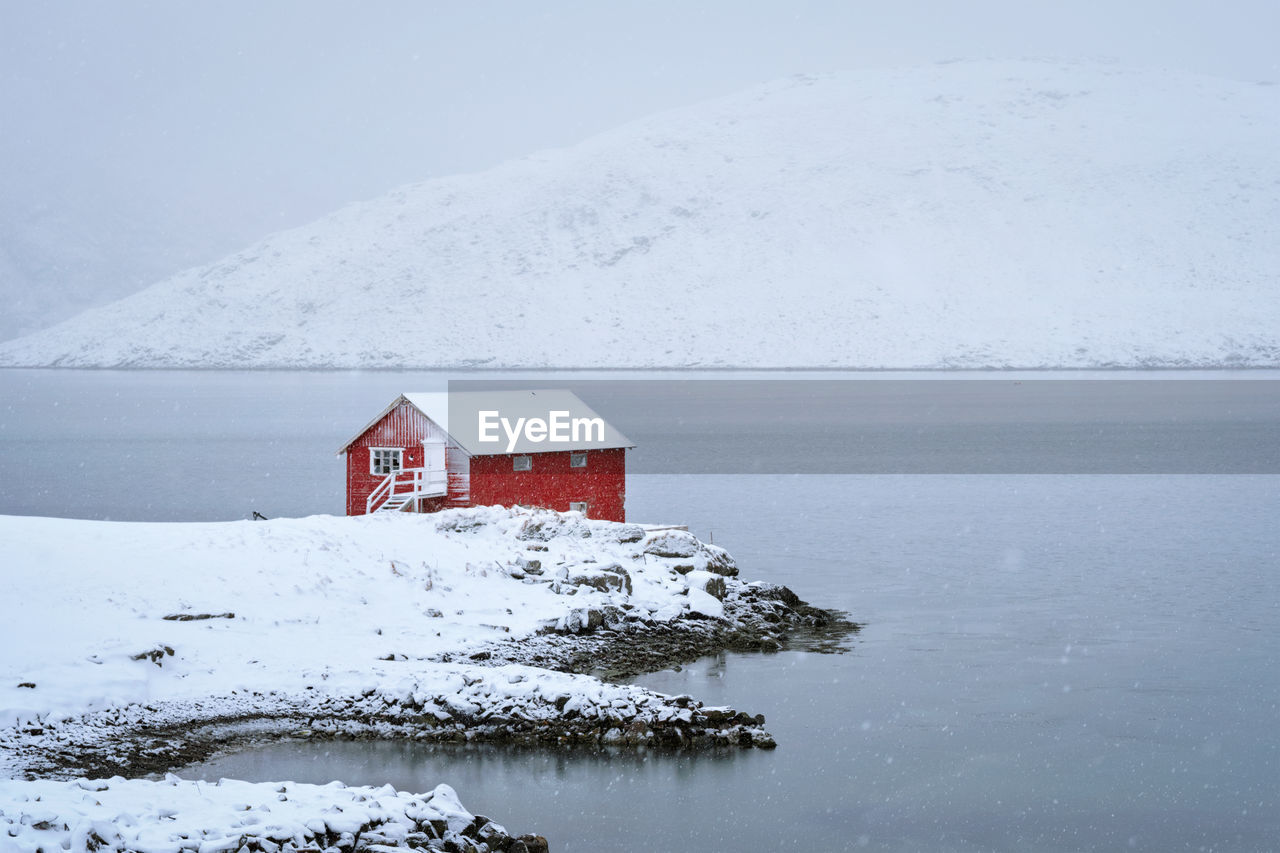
point(986, 214)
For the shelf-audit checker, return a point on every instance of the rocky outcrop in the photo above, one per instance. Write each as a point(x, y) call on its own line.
point(620, 642)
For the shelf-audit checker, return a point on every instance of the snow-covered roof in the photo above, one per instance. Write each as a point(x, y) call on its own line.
point(433, 404)
point(572, 423)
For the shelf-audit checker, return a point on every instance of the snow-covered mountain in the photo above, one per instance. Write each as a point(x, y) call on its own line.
point(957, 215)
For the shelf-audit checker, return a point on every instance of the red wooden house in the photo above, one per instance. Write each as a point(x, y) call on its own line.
point(529, 448)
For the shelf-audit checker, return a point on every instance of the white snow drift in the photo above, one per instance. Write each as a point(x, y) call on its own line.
point(984, 214)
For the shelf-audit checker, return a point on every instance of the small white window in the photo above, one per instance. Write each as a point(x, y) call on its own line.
point(384, 460)
point(522, 463)
point(578, 506)
point(578, 459)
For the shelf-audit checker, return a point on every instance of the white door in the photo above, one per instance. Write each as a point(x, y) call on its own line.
point(433, 461)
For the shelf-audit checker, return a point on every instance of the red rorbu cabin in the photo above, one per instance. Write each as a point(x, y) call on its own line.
point(429, 451)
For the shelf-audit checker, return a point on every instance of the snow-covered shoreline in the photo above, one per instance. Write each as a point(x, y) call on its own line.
point(511, 704)
point(173, 641)
point(173, 814)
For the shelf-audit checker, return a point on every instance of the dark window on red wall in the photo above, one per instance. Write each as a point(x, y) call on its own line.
point(384, 460)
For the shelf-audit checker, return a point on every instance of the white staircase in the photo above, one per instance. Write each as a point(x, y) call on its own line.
point(396, 504)
point(401, 488)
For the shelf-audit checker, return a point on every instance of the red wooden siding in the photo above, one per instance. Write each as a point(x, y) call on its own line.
point(488, 480)
point(553, 484)
point(404, 427)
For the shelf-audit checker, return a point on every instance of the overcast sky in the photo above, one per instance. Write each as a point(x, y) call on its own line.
point(142, 137)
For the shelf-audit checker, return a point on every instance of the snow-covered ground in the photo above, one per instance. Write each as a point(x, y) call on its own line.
point(969, 214)
point(104, 614)
point(133, 634)
point(228, 815)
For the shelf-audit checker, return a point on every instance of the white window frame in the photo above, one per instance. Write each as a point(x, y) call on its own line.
point(523, 462)
point(577, 459)
point(394, 460)
point(579, 506)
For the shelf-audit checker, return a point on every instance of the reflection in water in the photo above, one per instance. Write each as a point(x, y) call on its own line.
point(715, 666)
point(580, 798)
point(413, 763)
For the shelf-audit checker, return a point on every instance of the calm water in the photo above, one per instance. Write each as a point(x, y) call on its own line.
point(1049, 662)
point(213, 445)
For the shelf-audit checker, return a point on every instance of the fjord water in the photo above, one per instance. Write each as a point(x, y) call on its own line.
point(1048, 661)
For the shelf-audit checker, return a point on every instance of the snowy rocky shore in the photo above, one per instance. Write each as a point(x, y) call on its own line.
point(468, 704)
point(143, 647)
point(228, 815)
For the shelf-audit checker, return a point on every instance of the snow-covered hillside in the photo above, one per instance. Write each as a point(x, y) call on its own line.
point(957, 215)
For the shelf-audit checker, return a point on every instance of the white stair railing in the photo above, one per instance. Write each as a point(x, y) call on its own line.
point(380, 493)
point(400, 487)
